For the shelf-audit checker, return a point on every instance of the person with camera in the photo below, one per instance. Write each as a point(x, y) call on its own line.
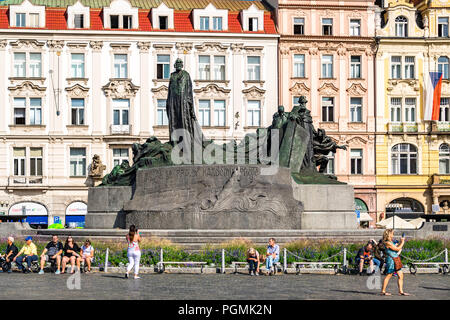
point(10, 252)
point(393, 262)
point(365, 256)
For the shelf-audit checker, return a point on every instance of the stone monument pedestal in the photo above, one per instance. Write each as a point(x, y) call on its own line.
point(221, 197)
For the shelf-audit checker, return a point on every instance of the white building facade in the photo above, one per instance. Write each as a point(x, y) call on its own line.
point(94, 81)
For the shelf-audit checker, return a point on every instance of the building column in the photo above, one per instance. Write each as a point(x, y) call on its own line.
point(97, 111)
point(284, 76)
point(146, 113)
point(4, 118)
point(56, 121)
point(237, 124)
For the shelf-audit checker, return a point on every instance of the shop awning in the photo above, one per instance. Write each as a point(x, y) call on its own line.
point(364, 216)
point(37, 219)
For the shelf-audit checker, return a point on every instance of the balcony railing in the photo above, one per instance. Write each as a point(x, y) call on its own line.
point(25, 180)
point(441, 126)
point(403, 127)
point(120, 129)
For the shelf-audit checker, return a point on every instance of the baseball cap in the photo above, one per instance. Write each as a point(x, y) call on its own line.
point(28, 238)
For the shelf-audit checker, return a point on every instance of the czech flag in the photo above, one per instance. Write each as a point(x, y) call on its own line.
point(433, 96)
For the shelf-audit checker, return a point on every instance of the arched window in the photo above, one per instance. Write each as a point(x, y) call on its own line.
point(401, 26)
point(443, 63)
point(404, 207)
point(404, 159)
point(444, 159)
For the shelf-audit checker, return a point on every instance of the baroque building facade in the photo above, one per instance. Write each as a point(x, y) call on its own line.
point(327, 53)
point(412, 155)
point(81, 79)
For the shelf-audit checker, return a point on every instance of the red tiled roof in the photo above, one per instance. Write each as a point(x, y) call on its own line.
point(56, 20)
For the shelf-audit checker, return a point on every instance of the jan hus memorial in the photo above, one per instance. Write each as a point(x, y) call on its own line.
point(272, 179)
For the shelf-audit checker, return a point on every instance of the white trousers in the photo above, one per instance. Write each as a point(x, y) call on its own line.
point(134, 257)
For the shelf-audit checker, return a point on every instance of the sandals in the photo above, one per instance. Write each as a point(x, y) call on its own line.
point(386, 294)
point(404, 294)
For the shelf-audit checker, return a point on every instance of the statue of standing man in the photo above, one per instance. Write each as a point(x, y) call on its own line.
point(180, 108)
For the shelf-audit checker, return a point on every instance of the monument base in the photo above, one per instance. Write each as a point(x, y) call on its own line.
point(215, 197)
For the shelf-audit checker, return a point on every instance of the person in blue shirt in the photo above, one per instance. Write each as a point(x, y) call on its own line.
point(273, 255)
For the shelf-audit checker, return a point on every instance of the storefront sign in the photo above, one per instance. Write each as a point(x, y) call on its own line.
point(27, 209)
point(77, 208)
point(444, 181)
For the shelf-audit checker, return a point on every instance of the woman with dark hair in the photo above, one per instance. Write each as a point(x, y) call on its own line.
point(134, 252)
point(393, 262)
point(71, 253)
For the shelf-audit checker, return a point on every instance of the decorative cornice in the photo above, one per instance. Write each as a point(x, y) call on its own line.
point(237, 47)
point(76, 45)
point(55, 44)
point(77, 90)
point(3, 44)
point(211, 46)
point(254, 48)
point(212, 88)
point(328, 88)
point(159, 89)
point(184, 47)
point(27, 86)
point(120, 88)
point(163, 46)
point(254, 92)
point(299, 88)
point(356, 89)
point(96, 45)
point(27, 43)
point(356, 141)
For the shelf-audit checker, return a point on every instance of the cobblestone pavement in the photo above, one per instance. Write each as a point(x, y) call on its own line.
point(215, 286)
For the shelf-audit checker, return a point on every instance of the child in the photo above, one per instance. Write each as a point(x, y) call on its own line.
point(253, 262)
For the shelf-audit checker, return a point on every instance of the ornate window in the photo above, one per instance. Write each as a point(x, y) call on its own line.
point(27, 64)
point(204, 113)
point(327, 66)
point(444, 159)
point(119, 155)
point(356, 109)
point(120, 66)
point(409, 68)
point(121, 109)
point(162, 66)
point(410, 109)
point(404, 159)
point(77, 65)
point(443, 66)
point(327, 26)
point(444, 115)
point(254, 68)
point(77, 162)
point(162, 119)
point(396, 67)
point(355, 67)
point(299, 26)
point(356, 158)
point(401, 26)
point(331, 163)
point(355, 27)
point(253, 113)
point(396, 109)
point(77, 111)
point(299, 65)
point(27, 111)
point(443, 27)
point(327, 109)
point(19, 160)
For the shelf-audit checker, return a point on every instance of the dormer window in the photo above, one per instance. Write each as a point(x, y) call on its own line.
point(78, 21)
point(217, 23)
point(162, 17)
point(120, 15)
point(204, 23)
point(252, 19)
point(253, 24)
point(127, 22)
point(114, 21)
point(401, 27)
point(210, 18)
point(20, 20)
point(27, 14)
point(163, 22)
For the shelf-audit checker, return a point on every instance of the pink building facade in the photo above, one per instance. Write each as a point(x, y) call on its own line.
point(327, 53)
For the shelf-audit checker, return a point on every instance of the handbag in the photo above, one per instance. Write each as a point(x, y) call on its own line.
point(397, 262)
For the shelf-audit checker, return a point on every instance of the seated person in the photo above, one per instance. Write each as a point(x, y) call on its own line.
point(10, 252)
point(379, 252)
point(87, 254)
point(72, 254)
point(52, 251)
point(365, 256)
point(29, 251)
point(273, 255)
point(253, 262)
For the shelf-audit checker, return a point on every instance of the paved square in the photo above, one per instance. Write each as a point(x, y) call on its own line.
point(216, 286)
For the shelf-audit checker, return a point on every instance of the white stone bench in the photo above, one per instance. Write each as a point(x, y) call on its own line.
point(298, 264)
point(162, 265)
point(235, 265)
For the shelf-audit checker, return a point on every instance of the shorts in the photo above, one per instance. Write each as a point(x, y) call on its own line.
point(48, 258)
point(90, 258)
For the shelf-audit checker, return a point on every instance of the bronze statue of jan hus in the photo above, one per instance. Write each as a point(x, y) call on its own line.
point(180, 105)
point(323, 145)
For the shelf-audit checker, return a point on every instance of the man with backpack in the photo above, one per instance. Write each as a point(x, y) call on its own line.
point(10, 252)
point(52, 251)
